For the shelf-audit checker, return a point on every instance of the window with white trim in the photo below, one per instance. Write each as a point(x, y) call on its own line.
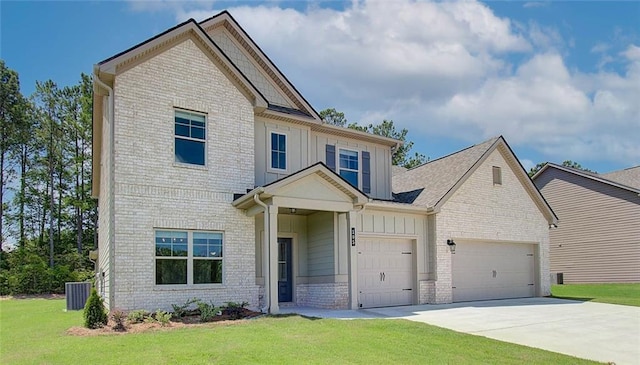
point(190, 137)
point(348, 166)
point(188, 257)
point(278, 151)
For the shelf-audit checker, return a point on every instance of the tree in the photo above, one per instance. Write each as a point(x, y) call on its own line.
point(334, 117)
point(566, 163)
point(11, 113)
point(401, 155)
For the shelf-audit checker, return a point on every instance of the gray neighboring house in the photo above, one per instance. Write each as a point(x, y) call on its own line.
point(598, 239)
point(216, 179)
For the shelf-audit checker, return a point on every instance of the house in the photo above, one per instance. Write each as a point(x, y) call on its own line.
point(599, 238)
point(216, 179)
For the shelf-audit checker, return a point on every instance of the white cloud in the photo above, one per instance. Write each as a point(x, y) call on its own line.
point(446, 69)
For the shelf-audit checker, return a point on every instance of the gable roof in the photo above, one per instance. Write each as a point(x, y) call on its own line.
point(318, 169)
point(226, 20)
point(110, 66)
point(431, 184)
point(631, 176)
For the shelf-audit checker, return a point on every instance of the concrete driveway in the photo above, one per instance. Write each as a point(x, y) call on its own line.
point(588, 330)
point(596, 331)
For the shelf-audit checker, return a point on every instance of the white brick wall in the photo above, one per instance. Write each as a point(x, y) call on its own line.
point(152, 191)
point(480, 210)
point(330, 295)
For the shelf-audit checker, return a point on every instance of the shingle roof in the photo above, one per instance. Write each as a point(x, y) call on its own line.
point(427, 184)
point(629, 177)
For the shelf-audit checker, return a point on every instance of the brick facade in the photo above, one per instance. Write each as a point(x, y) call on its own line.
point(152, 191)
point(480, 210)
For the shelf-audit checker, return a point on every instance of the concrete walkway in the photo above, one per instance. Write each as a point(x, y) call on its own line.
point(596, 331)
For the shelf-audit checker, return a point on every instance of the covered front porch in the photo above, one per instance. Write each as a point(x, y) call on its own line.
point(305, 239)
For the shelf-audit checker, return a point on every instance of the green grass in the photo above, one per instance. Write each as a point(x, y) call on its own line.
point(32, 331)
point(626, 294)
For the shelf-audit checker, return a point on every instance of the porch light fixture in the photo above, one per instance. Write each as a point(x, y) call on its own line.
point(452, 245)
point(292, 210)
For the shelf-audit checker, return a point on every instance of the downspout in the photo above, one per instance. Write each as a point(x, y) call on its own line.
point(266, 254)
point(112, 218)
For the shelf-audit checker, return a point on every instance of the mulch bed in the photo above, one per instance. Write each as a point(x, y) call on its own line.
point(192, 320)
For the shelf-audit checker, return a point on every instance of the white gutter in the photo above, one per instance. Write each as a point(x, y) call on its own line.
point(112, 217)
point(266, 254)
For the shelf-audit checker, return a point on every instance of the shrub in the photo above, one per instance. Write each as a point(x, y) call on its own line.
point(163, 317)
point(137, 316)
point(207, 311)
point(95, 315)
point(180, 311)
point(118, 317)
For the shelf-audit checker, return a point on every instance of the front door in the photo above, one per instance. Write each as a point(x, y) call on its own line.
point(285, 284)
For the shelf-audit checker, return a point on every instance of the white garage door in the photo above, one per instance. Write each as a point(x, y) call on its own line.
point(489, 270)
point(385, 272)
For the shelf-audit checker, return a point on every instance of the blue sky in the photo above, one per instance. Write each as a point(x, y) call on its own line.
point(560, 80)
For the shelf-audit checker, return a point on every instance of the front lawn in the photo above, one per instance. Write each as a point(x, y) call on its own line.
point(626, 294)
point(33, 331)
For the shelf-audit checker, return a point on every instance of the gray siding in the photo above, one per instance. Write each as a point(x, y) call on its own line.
point(380, 163)
point(297, 150)
point(598, 237)
point(320, 244)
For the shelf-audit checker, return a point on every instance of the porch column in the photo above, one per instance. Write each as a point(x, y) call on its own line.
point(273, 259)
point(353, 262)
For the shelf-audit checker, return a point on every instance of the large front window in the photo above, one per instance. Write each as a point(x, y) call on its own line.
point(188, 257)
point(349, 166)
point(190, 137)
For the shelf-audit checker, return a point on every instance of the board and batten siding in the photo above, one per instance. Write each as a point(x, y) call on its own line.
point(320, 241)
point(297, 149)
point(379, 155)
point(598, 237)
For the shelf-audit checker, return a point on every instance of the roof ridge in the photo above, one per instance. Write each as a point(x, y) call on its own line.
point(493, 139)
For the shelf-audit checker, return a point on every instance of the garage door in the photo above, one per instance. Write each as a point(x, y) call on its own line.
point(489, 270)
point(385, 272)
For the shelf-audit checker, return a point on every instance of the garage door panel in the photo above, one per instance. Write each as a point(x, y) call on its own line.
point(490, 270)
point(385, 272)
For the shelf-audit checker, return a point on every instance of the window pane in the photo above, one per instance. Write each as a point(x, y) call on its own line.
point(171, 243)
point(163, 249)
point(180, 250)
point(197, 132)
point(350, 176)
point(282, 161)
point(207, 244)
point(191, 152)
point(282, 145)
point(275, 163)
point(274, 142)
point(199, 250)
point(182, 130)
point(171, 271)
point(207, 271)
point(348, 159)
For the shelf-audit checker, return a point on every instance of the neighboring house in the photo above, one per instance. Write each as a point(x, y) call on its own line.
point(598, 240)
point(216, 179)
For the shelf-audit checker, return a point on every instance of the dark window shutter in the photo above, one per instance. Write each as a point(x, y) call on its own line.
point(331, 157)
point(366, 172)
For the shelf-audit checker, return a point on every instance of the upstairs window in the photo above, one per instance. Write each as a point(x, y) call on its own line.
point(497, 175)
point(190, 137)
point(348, 166)
point(278, 151)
